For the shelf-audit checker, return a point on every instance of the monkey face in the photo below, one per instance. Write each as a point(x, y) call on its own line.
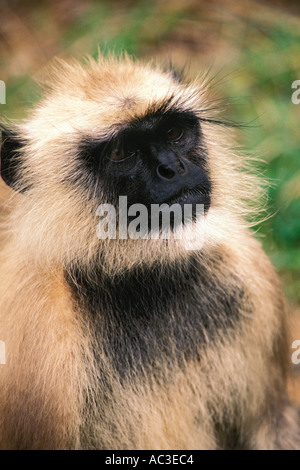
point(116, 128)
point(157, 159)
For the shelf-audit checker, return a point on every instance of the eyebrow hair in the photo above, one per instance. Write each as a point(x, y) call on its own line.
point(155, 116)
point(135, 128)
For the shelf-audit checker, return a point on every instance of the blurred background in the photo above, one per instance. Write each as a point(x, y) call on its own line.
point(253, 48)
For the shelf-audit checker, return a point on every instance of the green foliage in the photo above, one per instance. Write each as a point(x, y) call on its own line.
point(269, 63)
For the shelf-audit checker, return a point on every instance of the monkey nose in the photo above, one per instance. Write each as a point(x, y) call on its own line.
point(169, 171)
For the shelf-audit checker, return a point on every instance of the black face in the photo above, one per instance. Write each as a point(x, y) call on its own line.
point(154, 160)
point(158, 159)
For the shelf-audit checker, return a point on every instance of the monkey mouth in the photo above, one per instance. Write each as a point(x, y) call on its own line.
point(198, 195)
point(194, 204)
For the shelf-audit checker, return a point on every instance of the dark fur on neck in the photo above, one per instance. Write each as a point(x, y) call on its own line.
point(155, 314)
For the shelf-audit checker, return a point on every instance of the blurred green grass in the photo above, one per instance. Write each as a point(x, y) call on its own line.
point(270, 63)
point(265, 60)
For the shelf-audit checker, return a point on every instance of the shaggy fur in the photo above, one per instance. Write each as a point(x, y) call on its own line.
point(134, 344)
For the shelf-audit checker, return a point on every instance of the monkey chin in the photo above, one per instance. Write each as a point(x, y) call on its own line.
point(118, 255)
point(201, 237)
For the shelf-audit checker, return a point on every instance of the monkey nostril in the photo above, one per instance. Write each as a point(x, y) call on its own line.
point(181, 168)
point(165, 172)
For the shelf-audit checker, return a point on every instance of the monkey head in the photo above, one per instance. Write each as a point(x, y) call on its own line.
point(115, 128)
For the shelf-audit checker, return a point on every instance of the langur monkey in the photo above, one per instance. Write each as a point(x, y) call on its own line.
point(115, 343)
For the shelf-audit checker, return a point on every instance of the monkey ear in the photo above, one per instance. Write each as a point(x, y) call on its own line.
point(10, 158)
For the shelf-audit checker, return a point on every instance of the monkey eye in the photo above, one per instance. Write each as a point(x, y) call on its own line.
point(120, 153)
point(174, 134)
point(117, 154)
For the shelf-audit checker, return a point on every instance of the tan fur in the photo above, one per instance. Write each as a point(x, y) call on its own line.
point(50, 362)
